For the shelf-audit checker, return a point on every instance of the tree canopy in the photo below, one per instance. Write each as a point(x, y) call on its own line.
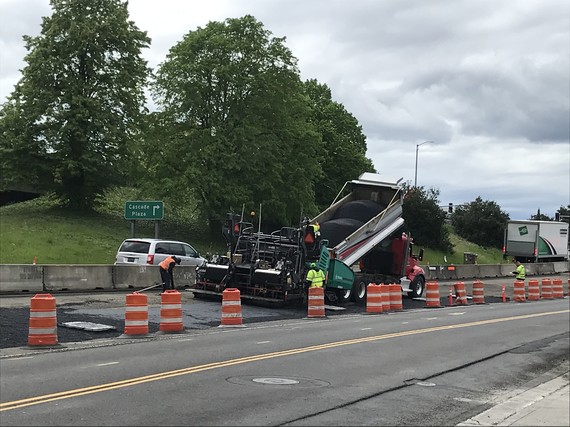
point(234, 123)
point(481, 221)
point(68, 124)
point(424, 219)
point(344, 144)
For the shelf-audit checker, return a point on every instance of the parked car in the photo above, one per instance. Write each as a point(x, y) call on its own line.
point(152, 251)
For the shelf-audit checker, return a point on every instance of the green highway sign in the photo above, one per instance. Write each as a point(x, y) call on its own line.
point(144, 210)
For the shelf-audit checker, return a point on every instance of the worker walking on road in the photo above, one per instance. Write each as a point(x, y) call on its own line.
point(166, 268)
point(520, 271)
point(315, 276)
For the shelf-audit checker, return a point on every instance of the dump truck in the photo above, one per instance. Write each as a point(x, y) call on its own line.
point(359, 239)
point(536, 241)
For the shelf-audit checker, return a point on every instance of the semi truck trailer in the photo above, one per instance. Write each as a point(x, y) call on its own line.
point(536, 241)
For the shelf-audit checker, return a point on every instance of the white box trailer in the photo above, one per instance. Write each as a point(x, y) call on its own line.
point(536, 241)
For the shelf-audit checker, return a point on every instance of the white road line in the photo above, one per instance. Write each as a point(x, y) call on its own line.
point(263, 342)
point(107, 364)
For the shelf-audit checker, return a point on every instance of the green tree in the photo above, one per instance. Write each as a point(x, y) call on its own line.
point(344, 144)
point(233, 128)
point(77, 108)
point(481, 221)
point(540, 217)
point(424, 218)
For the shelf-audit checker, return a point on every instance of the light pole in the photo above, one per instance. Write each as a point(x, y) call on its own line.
point(416, 173)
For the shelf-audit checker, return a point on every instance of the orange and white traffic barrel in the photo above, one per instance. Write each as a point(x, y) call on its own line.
point(316, 303)
point(43, 321)
point(395, 296)
point(171, 311)
point(373, 298)
point(385, 297)
point(557, 289)
point(460, 293)
point(231, 307)
point(136, 314)
point(519, 291)
point(432, 294)
point(478, 292)
point(546, 289)
point(533, 290)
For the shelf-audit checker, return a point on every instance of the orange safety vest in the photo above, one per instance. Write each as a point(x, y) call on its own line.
point(166, 263)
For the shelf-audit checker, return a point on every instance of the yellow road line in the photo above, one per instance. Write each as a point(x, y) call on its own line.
point(194, 369)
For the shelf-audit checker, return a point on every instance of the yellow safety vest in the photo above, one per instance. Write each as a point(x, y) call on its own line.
point(521, 272)
point(316, 277)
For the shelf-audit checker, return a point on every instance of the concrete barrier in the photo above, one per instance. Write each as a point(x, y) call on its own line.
point(142, 276)
point(77, 277)
point(16, 278)
point(21, 278)
point(490, 270)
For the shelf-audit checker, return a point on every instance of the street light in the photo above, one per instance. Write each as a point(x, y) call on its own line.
point(416, 173)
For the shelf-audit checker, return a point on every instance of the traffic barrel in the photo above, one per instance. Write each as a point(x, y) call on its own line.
point(373, 298)
point(385, 297)
point(519, 291)
point(432, 294)
point(136, 314)
point(43, 321)
point(316, 305)
point(171, 311)
point(395, 296)
point(231, 307)
point(557, 289)
point(461, 294)
point(546, 289)
point(533, 290)
point(478, 292)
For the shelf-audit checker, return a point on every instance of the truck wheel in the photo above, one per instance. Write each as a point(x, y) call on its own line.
point(343, 295)
point(359, 292)
point(417, 287)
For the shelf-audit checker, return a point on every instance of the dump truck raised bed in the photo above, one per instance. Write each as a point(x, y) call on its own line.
point(536, 241)
point(359, 239)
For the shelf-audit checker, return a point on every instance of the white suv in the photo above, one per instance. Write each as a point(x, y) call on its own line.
point(153, 251)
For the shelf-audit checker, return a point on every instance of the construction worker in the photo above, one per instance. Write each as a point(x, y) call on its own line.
point(520, 271)
point(315, 276)
point(166, 268)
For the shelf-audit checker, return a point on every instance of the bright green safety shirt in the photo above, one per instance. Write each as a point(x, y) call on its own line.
point(316, 277)
point(521, 273)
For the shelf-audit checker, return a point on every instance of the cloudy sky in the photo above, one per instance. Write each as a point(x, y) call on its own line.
point(486, 80)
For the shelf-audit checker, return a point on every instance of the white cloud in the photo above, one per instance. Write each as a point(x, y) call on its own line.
point(488, 81)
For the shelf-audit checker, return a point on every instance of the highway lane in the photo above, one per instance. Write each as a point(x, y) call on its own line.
point(351, 370)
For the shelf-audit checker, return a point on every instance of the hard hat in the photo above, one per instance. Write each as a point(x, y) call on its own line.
point(313, 264)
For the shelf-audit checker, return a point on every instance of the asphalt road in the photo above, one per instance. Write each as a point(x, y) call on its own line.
point(109, 309)
point(412, 367)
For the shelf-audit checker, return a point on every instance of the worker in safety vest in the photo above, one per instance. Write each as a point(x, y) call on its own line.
point(520, 272)
point(166, 268)
point(315, 276)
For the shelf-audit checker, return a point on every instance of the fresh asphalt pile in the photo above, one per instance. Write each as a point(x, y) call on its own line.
point(198, 314)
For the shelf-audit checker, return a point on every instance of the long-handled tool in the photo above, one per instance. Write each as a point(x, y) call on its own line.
point(150, 287)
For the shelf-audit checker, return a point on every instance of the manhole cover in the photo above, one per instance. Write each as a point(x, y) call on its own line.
point(277, 381)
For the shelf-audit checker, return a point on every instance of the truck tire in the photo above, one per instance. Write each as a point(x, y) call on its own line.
point(417, 286)
point(360, 210)
point(359, 292)
point(336, 230)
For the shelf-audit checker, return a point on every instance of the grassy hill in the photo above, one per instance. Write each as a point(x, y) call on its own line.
point(55, 235)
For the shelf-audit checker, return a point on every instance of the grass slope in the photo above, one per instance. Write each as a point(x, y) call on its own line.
point(39, 228)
